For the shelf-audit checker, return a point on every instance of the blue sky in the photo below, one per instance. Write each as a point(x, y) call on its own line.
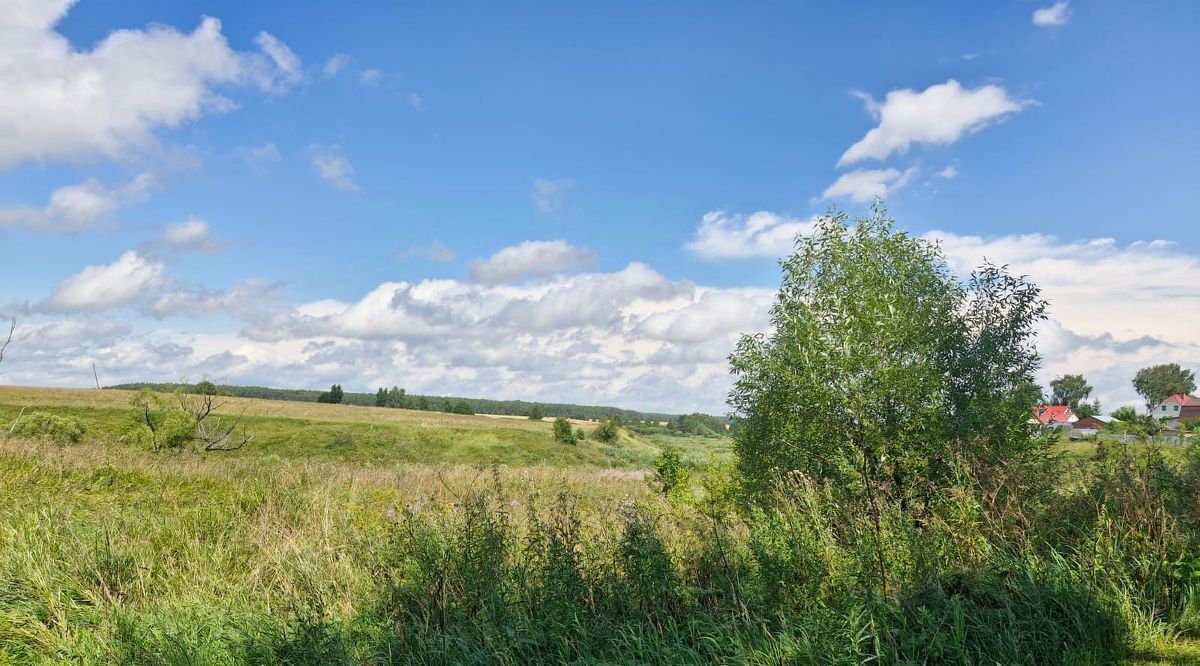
point(268, 186)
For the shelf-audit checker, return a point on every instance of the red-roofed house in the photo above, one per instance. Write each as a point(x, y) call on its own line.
point(1053, 416)
point(1179, 407)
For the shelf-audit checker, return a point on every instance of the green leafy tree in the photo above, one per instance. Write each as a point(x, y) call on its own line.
point(580, 435)
point(181, 420)
point(1125, 413)
point(537, 412)
point(1158, 382)
point(397, 398)
point(205, 388)
point(381, 397)
point(423, 404)
point(1070, 390)
point(563, 432)
point(884, 374)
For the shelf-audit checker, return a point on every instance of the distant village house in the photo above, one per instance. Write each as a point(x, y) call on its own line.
point(1053, 416)
point(1176, 409)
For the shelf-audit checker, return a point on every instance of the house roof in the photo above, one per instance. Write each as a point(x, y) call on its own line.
point(1102, 418)
point(1048, 414)
point(1184, 400)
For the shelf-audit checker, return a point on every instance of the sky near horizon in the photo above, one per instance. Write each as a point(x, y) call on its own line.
point(570, 202)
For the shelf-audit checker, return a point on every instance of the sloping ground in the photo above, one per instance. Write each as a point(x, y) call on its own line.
point(364, 435)
point(310, 411)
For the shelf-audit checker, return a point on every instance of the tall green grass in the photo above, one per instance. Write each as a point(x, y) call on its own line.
point(112, 555)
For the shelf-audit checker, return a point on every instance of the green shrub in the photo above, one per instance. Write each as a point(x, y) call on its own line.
point(563, 432)
point(607, 432)
point(49, 426)
point(670, 474)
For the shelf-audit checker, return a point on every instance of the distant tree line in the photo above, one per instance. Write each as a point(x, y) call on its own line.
point(457, 405)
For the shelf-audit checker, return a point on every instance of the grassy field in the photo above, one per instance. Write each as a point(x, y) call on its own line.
point(371, 536)
point(371, 435)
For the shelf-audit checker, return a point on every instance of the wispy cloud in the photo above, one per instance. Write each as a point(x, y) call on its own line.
point(866, 184)
point(549, 195)
point(334, 169)
point(530, 259)
point(336, 63)
point(258, 157)
point(371, 77)
point(434, 251)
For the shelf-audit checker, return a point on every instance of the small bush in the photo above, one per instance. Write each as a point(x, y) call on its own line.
point(50, 426)
point(607, 432)
point(670, 475)
point(563, 432)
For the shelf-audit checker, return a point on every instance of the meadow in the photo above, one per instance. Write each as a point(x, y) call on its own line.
point(332, 539)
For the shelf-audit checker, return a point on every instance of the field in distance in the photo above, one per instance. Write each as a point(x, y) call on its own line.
point(352, 433)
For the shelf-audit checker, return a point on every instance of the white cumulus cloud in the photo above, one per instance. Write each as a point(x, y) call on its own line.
point(1057, 14)
point(1114, 308)
point(79, 207)
point(104, 286)
point(939, 115)
point(60, 103)
point(723, 235)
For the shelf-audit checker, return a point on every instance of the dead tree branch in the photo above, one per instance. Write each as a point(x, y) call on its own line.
point(11, 329)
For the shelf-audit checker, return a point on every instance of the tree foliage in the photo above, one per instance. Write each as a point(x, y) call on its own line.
point(884, 374)
point(458, 407)
point(1158, 382)
point(1069, 390)
point(1086, 409)
point(333, 396)
point(1125, 413)
point(537, 412)
point(697, 424)
point(182, 420)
